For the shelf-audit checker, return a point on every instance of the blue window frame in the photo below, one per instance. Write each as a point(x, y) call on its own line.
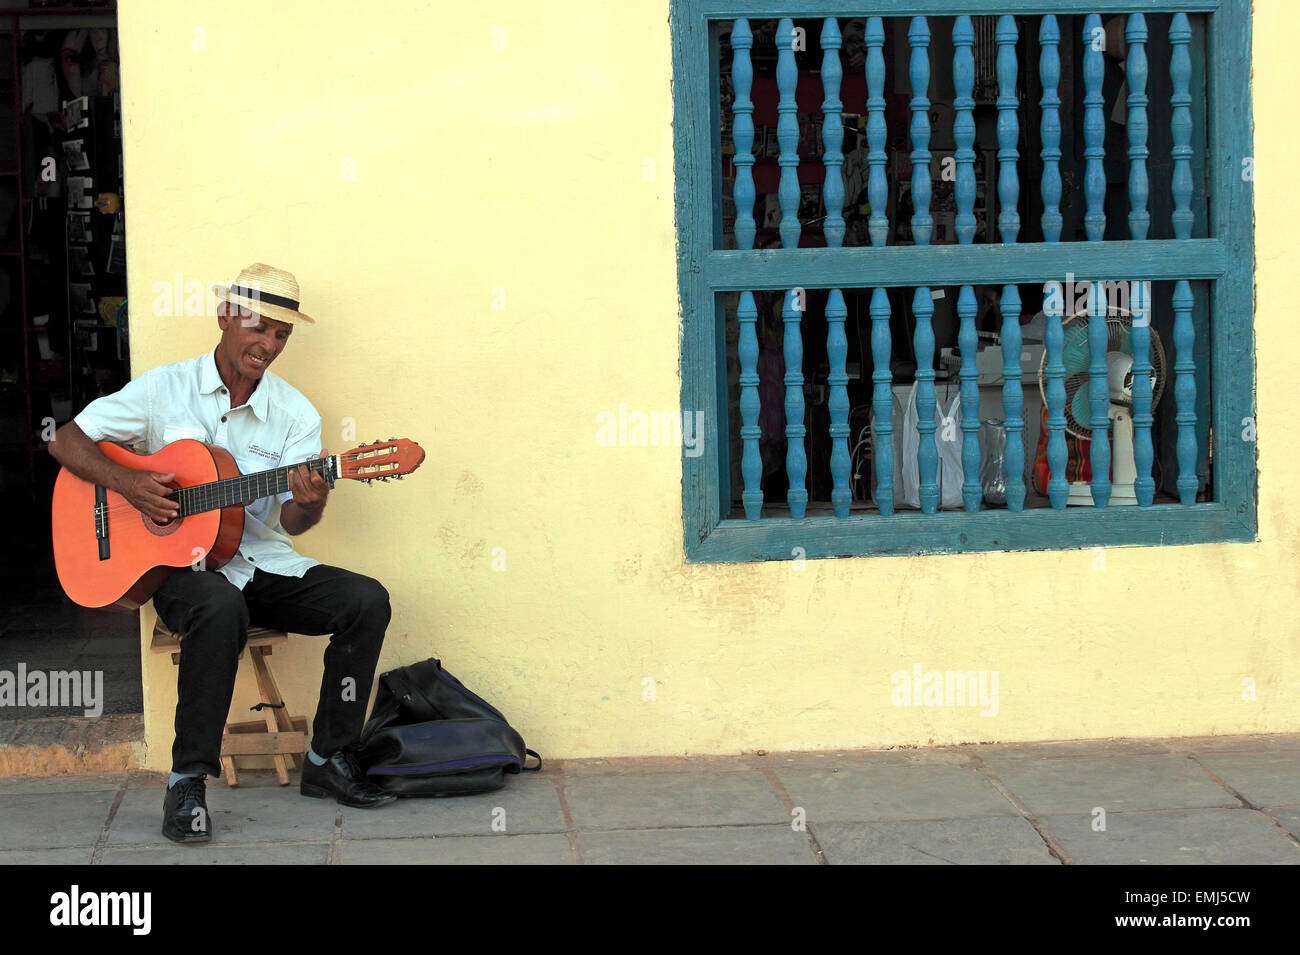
point(1217, 263)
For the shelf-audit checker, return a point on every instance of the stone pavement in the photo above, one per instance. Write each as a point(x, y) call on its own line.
point(1205, 800)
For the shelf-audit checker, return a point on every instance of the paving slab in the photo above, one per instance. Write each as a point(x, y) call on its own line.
point(100, 782)
point(672, 800)
point(526, 804)
point(544, 849)
point(1266, 779)
point(53, 820)
point(1078, 748)
point(711, 845)
point(1176, 837)
point(902, 756)
point(991, 840)
point(1070, 785)
point(79, 856)
point(214, 853)
point(255, 814)
point(893, 792)
point(146, 779)
point(658, 765)
point(1255, 742)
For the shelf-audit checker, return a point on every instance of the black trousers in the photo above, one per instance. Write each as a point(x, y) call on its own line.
point(214, 615)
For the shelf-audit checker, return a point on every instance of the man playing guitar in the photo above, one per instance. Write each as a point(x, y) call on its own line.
point(228, 398)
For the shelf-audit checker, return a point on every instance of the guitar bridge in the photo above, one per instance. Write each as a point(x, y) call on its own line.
point(101, 521)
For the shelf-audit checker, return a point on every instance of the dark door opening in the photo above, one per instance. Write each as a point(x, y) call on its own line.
point(63, 334)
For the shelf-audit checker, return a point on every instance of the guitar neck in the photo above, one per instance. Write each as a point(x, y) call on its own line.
point(246, 488)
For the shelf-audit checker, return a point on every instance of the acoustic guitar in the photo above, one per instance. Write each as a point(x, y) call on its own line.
point(108, 554)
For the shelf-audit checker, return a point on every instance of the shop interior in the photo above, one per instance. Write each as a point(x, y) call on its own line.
point(64, 328)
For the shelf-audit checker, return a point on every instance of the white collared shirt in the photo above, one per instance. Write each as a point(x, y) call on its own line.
point(275, 427)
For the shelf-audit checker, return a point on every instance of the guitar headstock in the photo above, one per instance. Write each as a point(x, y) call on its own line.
point(380, 460)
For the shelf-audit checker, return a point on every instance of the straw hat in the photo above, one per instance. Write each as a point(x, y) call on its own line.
point(266, 291)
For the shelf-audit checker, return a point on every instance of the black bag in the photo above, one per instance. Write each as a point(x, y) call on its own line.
point(428, 735)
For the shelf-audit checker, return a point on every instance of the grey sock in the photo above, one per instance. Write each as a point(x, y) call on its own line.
point(177, 777)
point(316, 760)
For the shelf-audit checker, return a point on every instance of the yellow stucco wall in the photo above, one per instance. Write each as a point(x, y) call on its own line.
point(414, 177)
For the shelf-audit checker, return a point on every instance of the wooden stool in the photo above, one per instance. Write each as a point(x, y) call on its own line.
point(277, 734)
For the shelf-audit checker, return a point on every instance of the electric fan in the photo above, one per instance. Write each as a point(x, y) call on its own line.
point(1076, 357)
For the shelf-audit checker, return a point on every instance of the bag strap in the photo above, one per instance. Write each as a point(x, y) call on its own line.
point(532, 769)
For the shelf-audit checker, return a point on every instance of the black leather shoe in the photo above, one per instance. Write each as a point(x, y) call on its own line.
point(185, 811)
point(340, 776)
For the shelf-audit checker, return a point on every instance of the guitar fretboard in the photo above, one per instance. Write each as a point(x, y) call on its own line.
point(247, 488)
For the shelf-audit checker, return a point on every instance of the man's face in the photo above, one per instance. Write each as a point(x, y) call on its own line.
point(251, 342)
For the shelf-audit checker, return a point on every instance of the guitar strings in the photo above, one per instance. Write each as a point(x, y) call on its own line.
point(209, 493)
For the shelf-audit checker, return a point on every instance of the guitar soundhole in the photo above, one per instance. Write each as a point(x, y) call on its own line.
point(166, 527)
point(161, 530)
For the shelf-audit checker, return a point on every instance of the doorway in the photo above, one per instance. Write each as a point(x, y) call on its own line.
point(64, 337)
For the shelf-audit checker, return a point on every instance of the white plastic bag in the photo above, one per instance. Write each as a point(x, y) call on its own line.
point(947, 438)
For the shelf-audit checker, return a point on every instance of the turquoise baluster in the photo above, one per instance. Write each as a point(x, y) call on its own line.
point(742, 76)
point(882, 401)
point(1058, 487)
point(837, 349)
point(1185, 392)
point(796, 461)
point(1094, 189)
point(1144, 485)
point(1013, 401)
point(1139, 221)
point(1098, 394)
point(968, 339)
point(832, 134)
point(787, 134)
point(751, 462)
point(927, 453)
point(1180, 71)
point(1049, 72)
point(1008, 131)
point(837, 345)
point(1135, 35)
point(877, 184)
point(1009, 230)
point(963, 72)
point(882, 394)
point(918, 36)
point(963, 75)
point(1094, 132)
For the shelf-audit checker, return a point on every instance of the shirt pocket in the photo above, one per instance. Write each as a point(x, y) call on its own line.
point(178, 431)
